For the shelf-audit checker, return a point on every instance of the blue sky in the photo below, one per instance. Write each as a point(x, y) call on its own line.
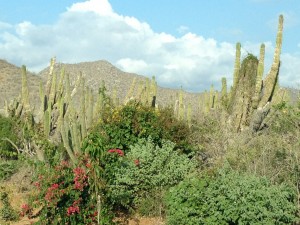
point(189, 43)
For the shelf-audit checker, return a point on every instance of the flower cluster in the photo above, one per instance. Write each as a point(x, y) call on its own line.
point(80, 179)
point(137, 162)
point(74, 208)
point(52, 194)
point(118, 151)
point(26, 210)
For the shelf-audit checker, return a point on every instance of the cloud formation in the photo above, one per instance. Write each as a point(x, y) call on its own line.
point(91, 30)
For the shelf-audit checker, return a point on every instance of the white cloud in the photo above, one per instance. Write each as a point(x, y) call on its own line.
point(101, 7)
point(91, 31)
point(183, 29)
point(289, 70)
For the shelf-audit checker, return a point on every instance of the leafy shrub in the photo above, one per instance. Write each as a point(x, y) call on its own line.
point(149, 168)
point(7, 213)
point(8, 168)
point(64, 193)
point(285, 118)
point(230, 198)
point(7, 132)
point(123, 127)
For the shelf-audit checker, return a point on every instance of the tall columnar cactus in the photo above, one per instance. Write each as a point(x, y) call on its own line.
point(250, 97)
point(153, 92)
point(224, 97)
point(180, 105)
point(260, 72)
point(237, 65)
point(25, 91)
point(271, 79)
point(212, 97)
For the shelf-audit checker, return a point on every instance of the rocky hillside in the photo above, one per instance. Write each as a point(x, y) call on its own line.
point(11, 82)
point(98, 71)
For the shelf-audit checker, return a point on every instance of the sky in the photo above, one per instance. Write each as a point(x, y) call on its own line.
point(183, 43)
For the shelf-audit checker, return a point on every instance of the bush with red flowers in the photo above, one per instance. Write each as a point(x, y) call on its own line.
point(64, 194)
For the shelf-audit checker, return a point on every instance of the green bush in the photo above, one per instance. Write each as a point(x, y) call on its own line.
point(230, 198)
point(8, 168)
point(7, 213)
point(7, 132)
point(149, 168)
point(123, 126)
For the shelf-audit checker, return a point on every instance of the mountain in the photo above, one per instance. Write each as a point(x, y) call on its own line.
point(115, 79)
point(11, 83)
point(93, 72)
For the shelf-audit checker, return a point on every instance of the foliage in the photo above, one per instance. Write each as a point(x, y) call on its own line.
point(8, 168)
point(285, 118)
point(7, 213)
point(7, 132)
point(149, 168)
point(274, 152)
point(63, 192)
point(123, 127)
point(231, 198)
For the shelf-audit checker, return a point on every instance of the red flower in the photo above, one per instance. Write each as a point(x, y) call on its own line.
point(137, 162)
point(54, 186)
point(26, 210)
point(118, 151)
point(37, 184)
point(80, 178)
point(72, 210)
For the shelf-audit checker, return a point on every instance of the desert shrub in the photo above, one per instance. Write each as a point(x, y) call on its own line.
point(231, 198)
point(7, 132)
point(8, 168)
point(285, 118)
point(7, 213)
point(65, 194)
point(123, 126)
point(274, 151)
point(149, 168)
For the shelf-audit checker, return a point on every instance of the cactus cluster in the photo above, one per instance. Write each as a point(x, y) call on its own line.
point(250, 97)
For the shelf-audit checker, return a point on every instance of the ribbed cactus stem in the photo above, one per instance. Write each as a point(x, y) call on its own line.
point(212, 97)
point(153, 91)
point(25, 91)
point(76, 139)
point(260, 72)
point(60, 88)
point(180, 105)
point(147, 99)
point(67, 89)
point(206, 101)
point(237, 65)
point(66, 141)
point(49, 80)
point(130, 91)
point(224, 92)
point(189, 115)
point(82, 110)
point(100, 104)
point(47, 124)
point(52, 94)
point(90, 107)
point(272, 77)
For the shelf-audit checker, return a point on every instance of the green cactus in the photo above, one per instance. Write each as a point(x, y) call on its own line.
point(237, 65)
point(260, 72)
point(224, 97)
point(250, 97)
point(180, 105)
